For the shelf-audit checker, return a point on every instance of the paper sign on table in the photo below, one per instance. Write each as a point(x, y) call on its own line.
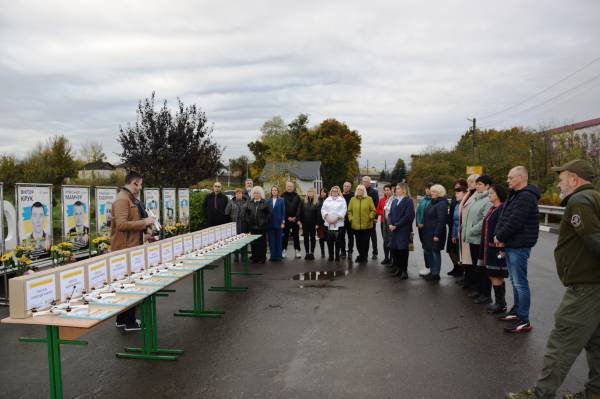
point(72, 283)
point(117, 266)
point(153, 253)
point(137, 260)
point(41, 292)
point(97, 274)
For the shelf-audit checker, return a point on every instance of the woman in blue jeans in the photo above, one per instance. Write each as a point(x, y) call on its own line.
point(276, 225)
point(434, 230)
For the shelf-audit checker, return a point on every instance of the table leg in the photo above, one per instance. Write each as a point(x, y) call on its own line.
point(246, 263)
point(228, 286)
point(149, 333)
point(199, 309)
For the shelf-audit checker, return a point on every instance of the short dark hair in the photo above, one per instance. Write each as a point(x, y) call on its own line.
point(78, 203)
point(429, 184)
point(387, 186)
point(485, 179)
point(132, 176)
point(38, 204)
point(500, 191)
point(461, 182)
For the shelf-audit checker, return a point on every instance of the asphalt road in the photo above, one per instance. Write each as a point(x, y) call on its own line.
point(364, 335)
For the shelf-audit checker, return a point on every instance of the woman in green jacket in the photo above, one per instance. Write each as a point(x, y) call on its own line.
point(361, 214)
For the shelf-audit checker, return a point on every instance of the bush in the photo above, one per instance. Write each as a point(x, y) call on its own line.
point(197, 210)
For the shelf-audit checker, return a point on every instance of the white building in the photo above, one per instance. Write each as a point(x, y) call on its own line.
point(304, 173)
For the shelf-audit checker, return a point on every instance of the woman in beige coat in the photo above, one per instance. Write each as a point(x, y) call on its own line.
point(465, 252)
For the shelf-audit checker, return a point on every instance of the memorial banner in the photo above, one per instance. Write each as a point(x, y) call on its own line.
point(76, 215)
point(183, 195)
point(169, 206)
point(2, 218)
point(34, 208)
point(152, 201)
point(105, 196)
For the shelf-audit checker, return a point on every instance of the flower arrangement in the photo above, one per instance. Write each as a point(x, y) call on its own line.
point(62, 253)
point(101, 244)
point(18, 259)
point(169, 231)
point(180, 228)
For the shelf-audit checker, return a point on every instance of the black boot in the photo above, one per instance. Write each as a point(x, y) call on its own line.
point(500, 296)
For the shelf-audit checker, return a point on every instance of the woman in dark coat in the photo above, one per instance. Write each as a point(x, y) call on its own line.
point(275, 229)
point(321, 230)
point(492, 255)
point(402, 214)
point(434, 230)
point(308, 218)
point(257, 218)
point(460, 186)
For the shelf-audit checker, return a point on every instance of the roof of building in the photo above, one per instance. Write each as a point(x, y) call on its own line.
point(98, 165)
point(303, 170)
point(575, 126)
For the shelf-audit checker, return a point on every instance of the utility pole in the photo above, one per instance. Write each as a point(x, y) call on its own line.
point(474, 133)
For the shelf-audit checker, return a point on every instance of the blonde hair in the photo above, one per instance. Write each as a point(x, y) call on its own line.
point(359, 187)
point(334, 187)
point(308, 190)
point(472, 178)
point(439, 189)
point(404, 187)
point(260, 191)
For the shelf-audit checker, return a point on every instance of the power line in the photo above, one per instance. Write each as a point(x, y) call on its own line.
point(543, 91)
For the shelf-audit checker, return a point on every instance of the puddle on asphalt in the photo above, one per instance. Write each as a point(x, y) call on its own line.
point(316, 276)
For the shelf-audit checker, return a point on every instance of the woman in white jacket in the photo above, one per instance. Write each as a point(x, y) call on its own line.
point(333, 212)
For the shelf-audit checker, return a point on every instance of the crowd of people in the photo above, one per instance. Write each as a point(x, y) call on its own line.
point(487, 232)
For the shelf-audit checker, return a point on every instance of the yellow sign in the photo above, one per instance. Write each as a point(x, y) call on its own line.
point(475, 169)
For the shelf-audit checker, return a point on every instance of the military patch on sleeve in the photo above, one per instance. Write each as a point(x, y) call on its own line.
point(576, 220)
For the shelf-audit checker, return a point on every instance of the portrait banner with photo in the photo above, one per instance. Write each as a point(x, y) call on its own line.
point(34, 209)
point(184, 205)
point(152, 201)
point(105, 196)
point(76, 215)
point(169, 206)
point(2, 245)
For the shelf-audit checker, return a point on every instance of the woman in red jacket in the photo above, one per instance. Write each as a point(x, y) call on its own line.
point(385, 232)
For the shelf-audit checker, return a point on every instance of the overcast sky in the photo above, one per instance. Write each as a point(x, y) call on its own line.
point(405, 74)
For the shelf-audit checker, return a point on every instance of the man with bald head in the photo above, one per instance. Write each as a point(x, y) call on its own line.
point(517, 230)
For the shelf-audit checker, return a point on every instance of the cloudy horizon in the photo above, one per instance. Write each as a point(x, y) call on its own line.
point(406, 75)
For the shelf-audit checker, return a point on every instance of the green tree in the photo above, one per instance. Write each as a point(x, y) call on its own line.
point(399, 172)
point(259, 150)
point(52, 162)
point(239, 166)
point(336, 145)
point(170, 149)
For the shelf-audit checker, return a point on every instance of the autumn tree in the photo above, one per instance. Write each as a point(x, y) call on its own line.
point(92, 151)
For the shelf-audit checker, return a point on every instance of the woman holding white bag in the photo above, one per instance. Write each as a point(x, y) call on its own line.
point(333, 212)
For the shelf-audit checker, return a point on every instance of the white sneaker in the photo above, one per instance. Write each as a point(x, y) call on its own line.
point(298, 255)
point(424, 272)
point(283, 254)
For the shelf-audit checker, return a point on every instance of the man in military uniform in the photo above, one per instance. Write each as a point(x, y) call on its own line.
point(577, 255)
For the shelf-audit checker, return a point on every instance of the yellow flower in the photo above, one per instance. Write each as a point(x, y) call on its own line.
point(54, 248)
point(24, 260)
point(65, 245)
point(6, 257)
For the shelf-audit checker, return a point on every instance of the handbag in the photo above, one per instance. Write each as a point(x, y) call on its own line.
point(321, 233)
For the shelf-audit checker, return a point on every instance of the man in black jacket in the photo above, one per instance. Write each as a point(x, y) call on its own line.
point(214, 207)
point(371, 192)
point(517, 230)
point(292, 209)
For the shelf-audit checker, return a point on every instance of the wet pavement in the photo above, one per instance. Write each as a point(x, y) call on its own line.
point(362, 334)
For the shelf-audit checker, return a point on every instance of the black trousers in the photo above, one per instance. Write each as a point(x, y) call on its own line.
point(335, 243)
point(127, 317)
point(310, 240)
point(350, 234)
point(259, 247)
point(362, 242)
point(373, 234)
point(400, 259)
point(471, 276)
point(293, 226)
